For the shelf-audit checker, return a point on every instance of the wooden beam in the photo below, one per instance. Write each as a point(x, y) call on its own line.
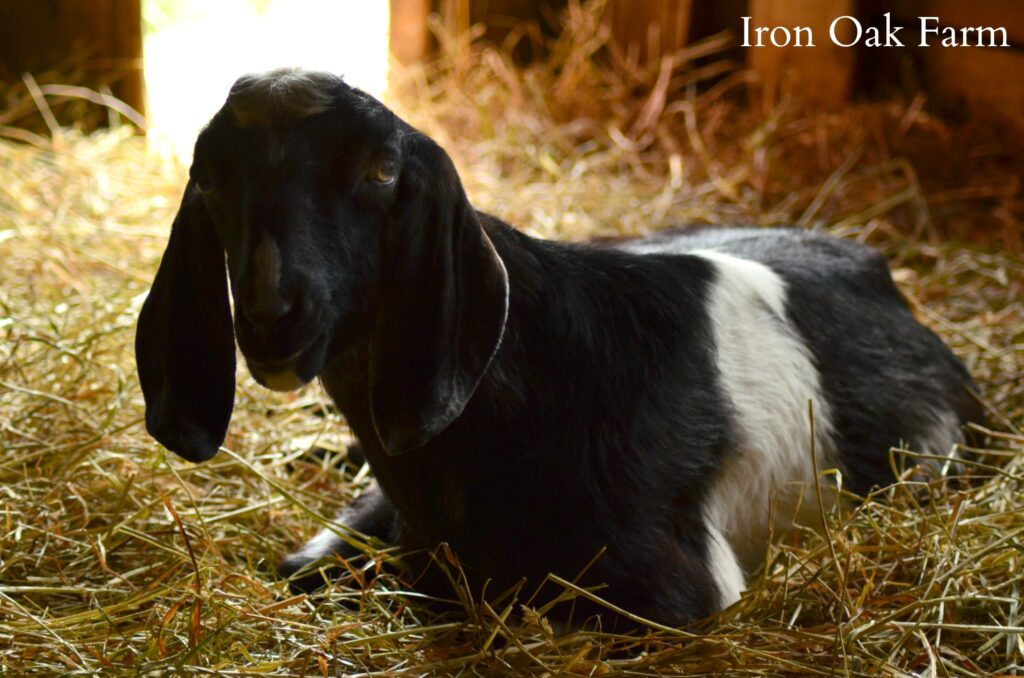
point(821, 74)
point(409, 33)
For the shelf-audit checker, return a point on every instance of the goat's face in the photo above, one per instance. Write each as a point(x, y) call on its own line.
point(299, 209)
point(341, 226)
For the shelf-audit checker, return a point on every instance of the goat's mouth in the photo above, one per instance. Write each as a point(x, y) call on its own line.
point(291, 373)
point(278, 380)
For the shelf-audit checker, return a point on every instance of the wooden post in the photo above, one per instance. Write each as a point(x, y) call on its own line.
point(101, 38)
point(409, 34)
point(823, 73)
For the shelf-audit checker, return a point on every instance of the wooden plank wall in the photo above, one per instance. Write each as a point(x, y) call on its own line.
point(101, 38)
point(648, 30)
point(826, 74)
point(823, 73)
point(980, 80)
point(411, 38)
point(104, 39)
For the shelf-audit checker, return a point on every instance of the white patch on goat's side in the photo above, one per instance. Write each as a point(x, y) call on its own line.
point(769, 377)
point(725, 569)
point(747, 277)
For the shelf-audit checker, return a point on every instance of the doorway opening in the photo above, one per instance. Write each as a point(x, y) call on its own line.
point(195, 50)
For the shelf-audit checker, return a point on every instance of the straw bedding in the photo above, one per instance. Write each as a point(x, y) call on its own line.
point(116, 556)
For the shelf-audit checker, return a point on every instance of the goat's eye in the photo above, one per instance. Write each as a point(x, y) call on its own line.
point(384, 172)
point(204, 186)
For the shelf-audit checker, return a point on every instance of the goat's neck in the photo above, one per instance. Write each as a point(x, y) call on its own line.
point(576, 340)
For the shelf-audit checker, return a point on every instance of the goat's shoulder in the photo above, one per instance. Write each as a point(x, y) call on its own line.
point(595, 282)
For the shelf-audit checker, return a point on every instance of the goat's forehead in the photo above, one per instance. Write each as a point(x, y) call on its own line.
point(286, 96)
point(333, 135)
point(287, 116)
point(228, 149)
point(282, 96)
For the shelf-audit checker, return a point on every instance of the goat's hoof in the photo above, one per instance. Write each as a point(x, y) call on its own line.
point(302, 574)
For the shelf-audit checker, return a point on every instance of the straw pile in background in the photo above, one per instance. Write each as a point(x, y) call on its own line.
point(116, 556)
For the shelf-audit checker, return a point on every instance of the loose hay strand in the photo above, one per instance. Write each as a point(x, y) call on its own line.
point(115, 556)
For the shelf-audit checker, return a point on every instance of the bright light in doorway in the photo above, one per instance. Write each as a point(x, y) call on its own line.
point(195, 49)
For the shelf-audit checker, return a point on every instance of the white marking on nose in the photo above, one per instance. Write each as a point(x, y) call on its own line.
point(267, 266)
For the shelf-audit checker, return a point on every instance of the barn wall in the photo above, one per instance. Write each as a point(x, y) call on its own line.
point(101, 39)
point(824, 72)
point(412, 39)
point(648, 30)
point(971, 78)
point(977, 81)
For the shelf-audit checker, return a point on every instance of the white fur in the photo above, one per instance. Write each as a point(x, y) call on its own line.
point(725, 568)
point(323, 544)
point(940, 439)
point(267, 266)
point(769, 376)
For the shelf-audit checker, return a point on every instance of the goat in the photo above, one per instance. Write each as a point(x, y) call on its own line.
point(529, 402)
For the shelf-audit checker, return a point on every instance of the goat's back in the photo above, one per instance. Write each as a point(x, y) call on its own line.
point(812, 327)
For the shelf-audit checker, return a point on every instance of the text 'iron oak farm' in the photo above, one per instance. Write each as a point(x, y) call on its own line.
point(847, 31)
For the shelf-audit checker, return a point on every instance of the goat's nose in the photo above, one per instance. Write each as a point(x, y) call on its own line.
point(265, 302)
point(265, 310)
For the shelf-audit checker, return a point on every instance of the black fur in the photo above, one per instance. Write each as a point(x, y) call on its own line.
point(883, 372)
point(186, 351)
point(591, 417)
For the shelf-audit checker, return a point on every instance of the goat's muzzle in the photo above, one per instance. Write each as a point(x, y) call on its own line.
point(282, 339)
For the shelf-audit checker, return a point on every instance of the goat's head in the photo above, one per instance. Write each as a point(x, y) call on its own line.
point(341, 225)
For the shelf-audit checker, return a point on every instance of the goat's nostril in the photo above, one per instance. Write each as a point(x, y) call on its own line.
point(265, 312)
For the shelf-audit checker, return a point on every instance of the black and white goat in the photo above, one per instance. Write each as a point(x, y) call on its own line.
point(529, 402)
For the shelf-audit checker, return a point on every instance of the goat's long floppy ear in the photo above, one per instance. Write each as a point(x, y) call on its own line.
point(184, 343)
point(442, 304)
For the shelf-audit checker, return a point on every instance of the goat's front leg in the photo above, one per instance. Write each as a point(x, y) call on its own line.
point(371, 514)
